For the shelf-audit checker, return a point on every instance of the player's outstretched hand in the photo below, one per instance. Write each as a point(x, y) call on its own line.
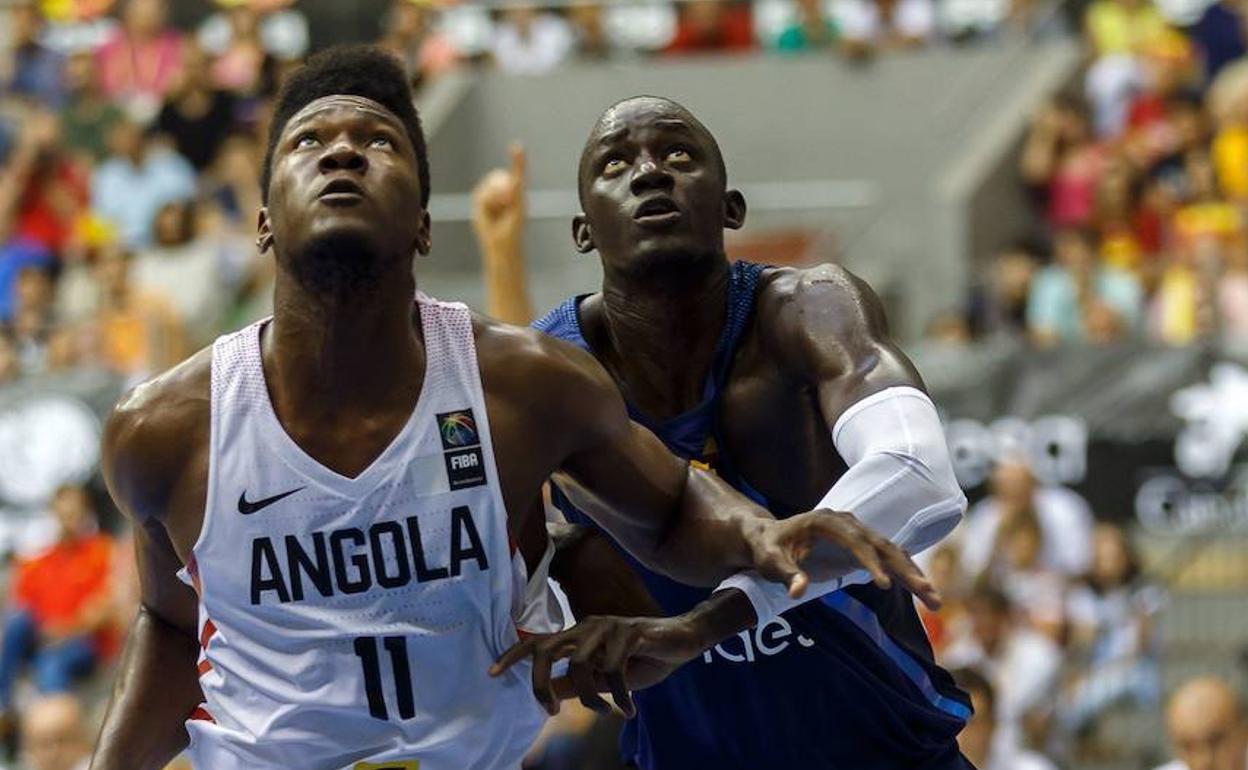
point(823, 544)
point(605, 654)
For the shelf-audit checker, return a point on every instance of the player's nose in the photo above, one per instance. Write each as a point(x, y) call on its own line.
point(649, 174)
point(342, 155)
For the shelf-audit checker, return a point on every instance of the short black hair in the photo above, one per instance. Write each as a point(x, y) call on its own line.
point(355, 70)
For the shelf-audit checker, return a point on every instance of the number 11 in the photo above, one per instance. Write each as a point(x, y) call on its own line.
point(366, 650)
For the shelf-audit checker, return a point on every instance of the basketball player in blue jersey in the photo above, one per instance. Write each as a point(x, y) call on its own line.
point(786, 382)
point(350, 491)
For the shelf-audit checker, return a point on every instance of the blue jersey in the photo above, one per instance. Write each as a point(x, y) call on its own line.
point(845, 681)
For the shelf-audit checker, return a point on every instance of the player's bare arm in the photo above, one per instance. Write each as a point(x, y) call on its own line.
point(151, 445)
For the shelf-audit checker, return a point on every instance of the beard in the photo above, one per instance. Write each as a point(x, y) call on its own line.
point(340, 265)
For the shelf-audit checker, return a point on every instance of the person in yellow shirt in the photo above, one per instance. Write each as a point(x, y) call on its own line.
point(1124, 26)
point(1228, 100)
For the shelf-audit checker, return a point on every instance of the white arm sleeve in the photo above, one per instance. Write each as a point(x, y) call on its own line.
point(900, 483)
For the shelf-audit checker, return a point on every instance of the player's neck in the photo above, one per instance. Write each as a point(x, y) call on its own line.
point(333, 353)
point(663, 333)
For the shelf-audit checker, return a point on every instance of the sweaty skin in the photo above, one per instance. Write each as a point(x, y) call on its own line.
point(344, 363)
point(655, 206)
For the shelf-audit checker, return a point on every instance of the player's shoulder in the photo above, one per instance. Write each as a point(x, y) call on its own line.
point(535, 364)
point(825, 286)
point(819, 306)
point(156, 427)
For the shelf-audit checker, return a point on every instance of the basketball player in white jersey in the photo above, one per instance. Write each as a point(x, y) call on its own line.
point(350, 490)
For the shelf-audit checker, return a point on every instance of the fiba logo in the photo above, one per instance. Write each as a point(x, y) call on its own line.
point(1216, 420)
point(458, 429)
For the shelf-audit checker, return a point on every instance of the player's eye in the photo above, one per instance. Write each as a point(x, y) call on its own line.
point(679, 155)
point(305, 141)
point(381, 141)
point(614, 165)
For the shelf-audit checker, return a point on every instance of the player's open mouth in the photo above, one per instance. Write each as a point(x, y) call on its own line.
point(657, 211)
point(341, 192)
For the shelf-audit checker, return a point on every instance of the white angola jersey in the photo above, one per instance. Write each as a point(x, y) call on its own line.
point(348, 623)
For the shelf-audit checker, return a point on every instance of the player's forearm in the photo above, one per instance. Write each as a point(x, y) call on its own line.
point(713, 534)
point(506, 282)
point(156, 690)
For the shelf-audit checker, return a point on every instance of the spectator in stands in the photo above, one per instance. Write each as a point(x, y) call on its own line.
point(1064, 517)
point(814, 30)
point(1001, 306)
point(968, 20)
point(238, 68)
point(408, 32)
point(233, 182)
point(88, 118)
point(1062, 162)
point(1228, 101)
point(1119, 32)
point(870, 25)
point(283, 30)
point(197, 116)
point(1077, 299)
point(44, 191)
point(187, 269)
point(35, 71)
point(137, 179)
point(54, 734)
point(62, 603)
point(949, 328)
point(1207, 728)
point(1022, 664)
point(10, 366)
point(134, 333)
point(42, 344)
point(589, 29)
point(16, 249)
point(1017, 567)
point(1111, 613)
point(1233, 293)
point(944, 571)
point(530, 42)
point(1221, 35)
point(713, 26)
point(139, 63)
point(980, 741)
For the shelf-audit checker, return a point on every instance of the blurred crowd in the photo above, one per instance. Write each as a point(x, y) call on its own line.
point(1139, 174)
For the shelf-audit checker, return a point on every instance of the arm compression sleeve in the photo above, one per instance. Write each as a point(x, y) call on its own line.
point(900, 483)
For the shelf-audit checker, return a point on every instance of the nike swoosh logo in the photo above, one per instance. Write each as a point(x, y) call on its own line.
point(247, 508)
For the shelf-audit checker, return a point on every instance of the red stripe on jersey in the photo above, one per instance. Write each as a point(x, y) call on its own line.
point(205, 666)
point(210, 629)
point(201, 714)
point(192, 569)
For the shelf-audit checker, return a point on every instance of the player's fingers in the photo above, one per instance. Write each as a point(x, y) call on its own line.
point(581, 670)
point(869, 557)
point(543, 660)
point(582, 675)
point(617, 682)
point(615, 669)
point(917, 583)
point(519, 161)
point(516, 653)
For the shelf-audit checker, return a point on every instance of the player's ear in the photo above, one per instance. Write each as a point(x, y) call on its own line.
point(264, 231)
point(734, 210)
point(424, 235)
point(582, 234)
